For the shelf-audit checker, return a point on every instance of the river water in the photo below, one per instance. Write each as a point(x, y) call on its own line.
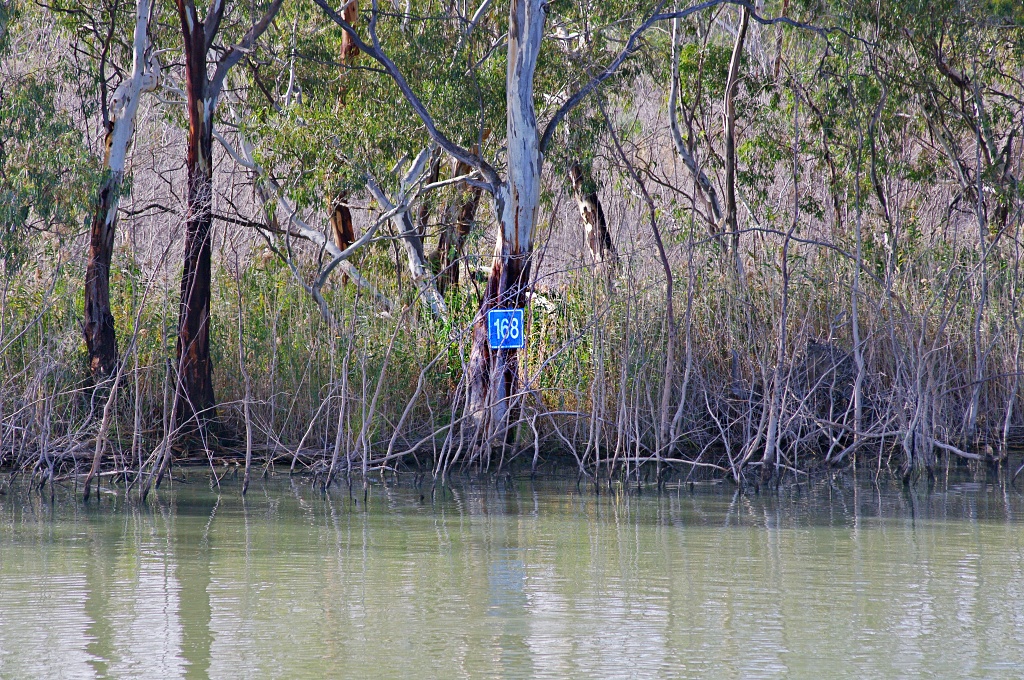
point(513, 580)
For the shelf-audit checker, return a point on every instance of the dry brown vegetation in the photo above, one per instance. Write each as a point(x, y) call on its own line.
point(865, 309)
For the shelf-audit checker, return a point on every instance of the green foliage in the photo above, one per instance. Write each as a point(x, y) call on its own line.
point(350, 122)
point(8, 11)
point(46, 173)
point(884, 130)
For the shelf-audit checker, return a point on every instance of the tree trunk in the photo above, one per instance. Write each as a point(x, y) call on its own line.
point(598, 239)
point(341, 222)
point(493, 373)
point(98, 325)
point(195, 369)
point(341, 225)
point(419, 270)
point(194, 395)
point(730, 143)
point(341, 216)
point(349, 50)
point(98, 322)
point(460, 215)
point(705, 189)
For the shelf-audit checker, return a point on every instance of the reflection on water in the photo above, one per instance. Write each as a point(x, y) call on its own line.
point(517, 581)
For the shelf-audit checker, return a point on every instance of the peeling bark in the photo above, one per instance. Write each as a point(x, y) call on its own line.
point(594, 224)
point(194, 395)
point(195, 369)
point(349, 50)
point(493, 373)
point(341, 226)
point(98, 322)
point(341, 223)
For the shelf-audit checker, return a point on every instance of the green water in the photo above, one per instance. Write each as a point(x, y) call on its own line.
point(513, 580)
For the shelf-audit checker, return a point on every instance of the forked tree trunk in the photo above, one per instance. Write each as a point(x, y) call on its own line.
point(193, 395)
point(594, 224)
point(419, 269)
point(493, 373)
point(98, 325)
point(98, 322)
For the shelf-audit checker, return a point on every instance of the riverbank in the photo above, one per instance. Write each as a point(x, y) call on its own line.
point(313, 468)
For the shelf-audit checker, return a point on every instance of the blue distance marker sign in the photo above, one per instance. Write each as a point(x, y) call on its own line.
point(505, 329)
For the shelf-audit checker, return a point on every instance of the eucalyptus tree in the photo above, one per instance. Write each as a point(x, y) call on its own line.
point(110, 74)
point(119, 123)
point(194, 393)
point(968, 58)
point(515, 189)
point(46, 171)
point(325, 125)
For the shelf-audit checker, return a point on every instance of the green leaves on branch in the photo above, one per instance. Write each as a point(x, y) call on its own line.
point(46, 173)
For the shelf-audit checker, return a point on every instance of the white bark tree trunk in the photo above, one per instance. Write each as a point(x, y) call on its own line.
point(419, 269)
point(98, 324)
point(493, 372)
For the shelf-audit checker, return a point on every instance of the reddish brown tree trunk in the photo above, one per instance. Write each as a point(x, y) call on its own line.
point(341, 222)
point(195, 369)
point(194, 396)
point(494, 373)
point(341, 225)
point(349, 50)
point(98, 325)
